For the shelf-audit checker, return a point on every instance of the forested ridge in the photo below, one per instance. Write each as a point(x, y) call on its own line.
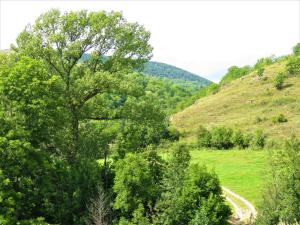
point(168, 71)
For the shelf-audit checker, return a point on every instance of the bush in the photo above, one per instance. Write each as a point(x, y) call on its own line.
point(204, 137)
point(221, 138)
point(293, 65)
point(259, 139)
point(172, 134)
point(241, 140)
point(279, 119)
point(296, 49)
point(279, 80)
point(260, 63)
point(260, 71)
point(281, 199)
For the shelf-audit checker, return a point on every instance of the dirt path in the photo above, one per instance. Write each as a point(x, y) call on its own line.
point(244, 211)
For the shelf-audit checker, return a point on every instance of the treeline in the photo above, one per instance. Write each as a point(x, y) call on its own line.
point(78, 137)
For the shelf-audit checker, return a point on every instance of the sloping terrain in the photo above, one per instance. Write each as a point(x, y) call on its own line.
point(248, 103)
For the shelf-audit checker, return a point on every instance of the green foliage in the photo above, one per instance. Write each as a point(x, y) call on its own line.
point(167, 71)
point(133, 184)
point(204, 137)
point(86, 84)
point(279, 119)
point(172, 134)
point(234, 73)
point(260, 72)
point(226, 138)
point(144, 124)
point(240, 139)
point(293, 65)
point(296, 49)
point(221, 138)
point(188, 189)
point(170, 95)
point(259, 139)
point(281, 202)
point(279, 81)
point(262, 62)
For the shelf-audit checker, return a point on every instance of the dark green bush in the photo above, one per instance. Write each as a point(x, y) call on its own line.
point(204, 137)
point(259, 139)
point(221, 138)
point(226, 138)
point(241, 140)
point(279, 119)
point(172, 134)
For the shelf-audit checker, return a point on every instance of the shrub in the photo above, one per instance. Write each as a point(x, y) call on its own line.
point(279, 80)
point(172, 134)
point(204, 137)
point(279, 119)
point(260, 71)
point(296, 49)
point(293, 65)
point(260, 119)
point(259, 139)
point(240, 140)
point(281, 198)
point(260, 63)
point(221, 138)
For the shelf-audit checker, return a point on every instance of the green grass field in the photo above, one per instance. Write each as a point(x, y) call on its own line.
point(242, 171)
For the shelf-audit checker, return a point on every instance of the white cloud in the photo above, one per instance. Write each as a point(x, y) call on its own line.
point(204, 37)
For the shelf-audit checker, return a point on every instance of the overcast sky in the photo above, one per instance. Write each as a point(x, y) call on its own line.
point(203, 37)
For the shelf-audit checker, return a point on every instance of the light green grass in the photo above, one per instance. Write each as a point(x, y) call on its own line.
point(242, 171)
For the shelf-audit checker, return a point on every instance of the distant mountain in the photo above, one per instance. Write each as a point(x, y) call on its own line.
point(158, 69)
point(163, 70)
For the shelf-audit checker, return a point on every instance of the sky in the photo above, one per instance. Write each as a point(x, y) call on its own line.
point(203, 37)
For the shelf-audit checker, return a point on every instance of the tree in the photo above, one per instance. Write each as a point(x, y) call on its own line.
point(115, 48)
point(188, 191)
point(133, 185)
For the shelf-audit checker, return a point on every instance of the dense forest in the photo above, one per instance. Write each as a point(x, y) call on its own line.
point(79, 137)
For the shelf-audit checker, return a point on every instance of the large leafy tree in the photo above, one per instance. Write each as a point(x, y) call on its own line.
point(115, 47)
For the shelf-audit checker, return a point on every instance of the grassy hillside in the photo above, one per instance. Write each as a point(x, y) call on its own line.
point(164, 70)
point(248, 103)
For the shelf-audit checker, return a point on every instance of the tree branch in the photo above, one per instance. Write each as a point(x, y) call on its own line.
point(101, 118)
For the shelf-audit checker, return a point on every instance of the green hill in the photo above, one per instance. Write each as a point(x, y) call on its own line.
point(248, 103)
point(164, 70)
